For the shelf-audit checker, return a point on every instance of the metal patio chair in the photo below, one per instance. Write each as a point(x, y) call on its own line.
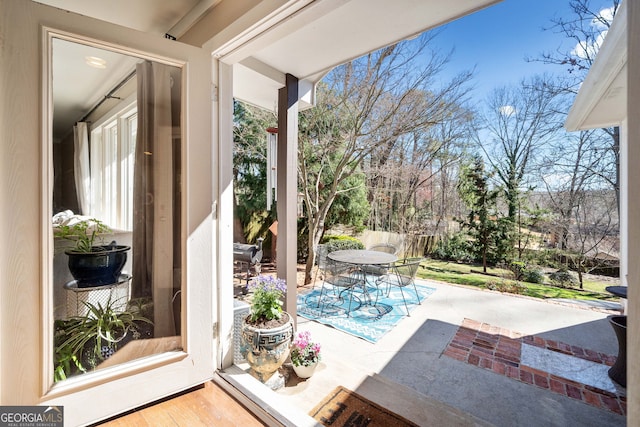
point(377, 272)
point(321, 261)
point(401, 275)
point(343, 278)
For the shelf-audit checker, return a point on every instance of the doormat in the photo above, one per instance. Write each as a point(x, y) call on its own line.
point(367, 321)
point(343, 407)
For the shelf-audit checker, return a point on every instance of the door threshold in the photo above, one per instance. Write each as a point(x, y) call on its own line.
point(263, 402)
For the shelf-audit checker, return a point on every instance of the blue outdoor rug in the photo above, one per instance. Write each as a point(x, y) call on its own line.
point(367, 321)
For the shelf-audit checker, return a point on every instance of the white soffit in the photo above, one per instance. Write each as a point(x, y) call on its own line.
point(325, 34)
point(151, 16)
point(602, 98)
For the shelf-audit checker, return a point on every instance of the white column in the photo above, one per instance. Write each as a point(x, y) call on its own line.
point(287, 190)
point(633, 214)
point(624, 206)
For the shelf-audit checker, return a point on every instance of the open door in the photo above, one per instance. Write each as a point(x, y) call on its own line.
point(147, 175)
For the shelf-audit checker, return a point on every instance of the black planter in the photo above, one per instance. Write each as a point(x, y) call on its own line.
point(101, 266)
point(618, 372)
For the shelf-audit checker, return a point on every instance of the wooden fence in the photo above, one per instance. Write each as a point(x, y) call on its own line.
point(409, 245)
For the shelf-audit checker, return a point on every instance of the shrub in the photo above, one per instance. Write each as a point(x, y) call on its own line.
point(533, 275)
point(453, 247)
point(505, 286)
point(563, 278)
point(340, 242)
point(525, 272)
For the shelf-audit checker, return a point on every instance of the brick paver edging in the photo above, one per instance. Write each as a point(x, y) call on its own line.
point(498, 349)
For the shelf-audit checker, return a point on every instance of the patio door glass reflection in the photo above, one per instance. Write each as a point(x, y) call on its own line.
point(116, 204)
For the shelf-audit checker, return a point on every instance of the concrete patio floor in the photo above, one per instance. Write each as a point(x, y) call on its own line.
point(410, 371)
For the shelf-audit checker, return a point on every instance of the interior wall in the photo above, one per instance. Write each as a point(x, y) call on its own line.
point(21, 155)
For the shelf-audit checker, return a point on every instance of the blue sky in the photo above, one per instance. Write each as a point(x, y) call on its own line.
point(497, 40)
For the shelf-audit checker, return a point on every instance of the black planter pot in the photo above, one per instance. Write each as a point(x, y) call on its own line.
point(101, 266)
point(618, 372)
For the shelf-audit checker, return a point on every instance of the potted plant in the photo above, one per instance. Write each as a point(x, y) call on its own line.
point(83, 342)
point(267, 331)
point(305, 354)
point(91, 262)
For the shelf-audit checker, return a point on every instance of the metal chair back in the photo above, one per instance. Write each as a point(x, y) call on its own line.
point(321, 256)
point(401, 275)
point(343, 278)
point(406, 272)
point(384, 247)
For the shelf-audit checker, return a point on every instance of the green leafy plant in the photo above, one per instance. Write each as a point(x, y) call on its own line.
point(266, 303)
point(81, 342)
point(83, 233)
point(304, 352)
point(66, 361)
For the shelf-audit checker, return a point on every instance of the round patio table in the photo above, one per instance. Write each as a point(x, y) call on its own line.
point(364, 260)
point(362, 257)
point(619, 291)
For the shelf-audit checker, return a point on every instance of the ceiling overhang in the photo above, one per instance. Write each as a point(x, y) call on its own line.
point(602, 98)
point(317, 36)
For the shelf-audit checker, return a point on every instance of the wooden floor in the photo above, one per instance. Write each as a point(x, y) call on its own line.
point(206, 406)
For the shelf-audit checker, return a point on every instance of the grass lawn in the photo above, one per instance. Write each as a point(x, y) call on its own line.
point(462, 274)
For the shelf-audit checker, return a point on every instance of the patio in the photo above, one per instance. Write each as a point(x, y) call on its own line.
point(438, 366)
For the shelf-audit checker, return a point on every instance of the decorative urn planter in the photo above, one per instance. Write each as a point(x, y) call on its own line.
point(305, 371)
point(265, 350)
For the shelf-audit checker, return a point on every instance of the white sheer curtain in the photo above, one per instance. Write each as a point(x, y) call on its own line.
point(81, 168)
point(155, 227)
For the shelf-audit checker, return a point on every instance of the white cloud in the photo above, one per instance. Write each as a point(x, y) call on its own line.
point(589, 50)
point(586, 49)
point(606, 15)
point(507, 110)
point(556, 181)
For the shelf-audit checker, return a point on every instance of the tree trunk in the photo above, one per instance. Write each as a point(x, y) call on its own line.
point(313, 239)
point(580, 278)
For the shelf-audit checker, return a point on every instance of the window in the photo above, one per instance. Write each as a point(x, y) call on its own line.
point(112, 156)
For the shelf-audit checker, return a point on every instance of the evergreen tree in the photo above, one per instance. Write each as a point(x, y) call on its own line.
point(487, 229)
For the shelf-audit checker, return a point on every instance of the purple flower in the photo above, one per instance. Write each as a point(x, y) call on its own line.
point(267, 297)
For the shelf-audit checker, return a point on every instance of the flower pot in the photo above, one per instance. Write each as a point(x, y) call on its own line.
point(101, 266)
point(305, 371)
point(618, 372)
point(265, 350)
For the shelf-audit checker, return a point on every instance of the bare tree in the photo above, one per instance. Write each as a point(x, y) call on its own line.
point(569, 168)
point(365, 107)
point(587, 28)
point(596, 231)
point(518, 122)
point(402, 192)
